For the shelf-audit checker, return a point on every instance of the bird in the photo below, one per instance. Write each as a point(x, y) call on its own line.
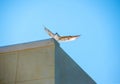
point(59, 38)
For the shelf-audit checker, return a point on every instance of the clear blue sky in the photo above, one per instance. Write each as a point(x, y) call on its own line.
point(98, 21)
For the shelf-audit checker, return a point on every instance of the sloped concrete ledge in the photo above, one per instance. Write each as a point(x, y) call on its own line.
point(34, 44)
point(39, 62)
point(67, 71)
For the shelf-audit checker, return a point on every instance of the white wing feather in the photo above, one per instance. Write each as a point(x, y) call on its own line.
point(61, 38)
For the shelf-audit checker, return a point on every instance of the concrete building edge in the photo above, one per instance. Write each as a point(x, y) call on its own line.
point(73, 62)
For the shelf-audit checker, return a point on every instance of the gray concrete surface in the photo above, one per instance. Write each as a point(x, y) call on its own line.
point(39, 62)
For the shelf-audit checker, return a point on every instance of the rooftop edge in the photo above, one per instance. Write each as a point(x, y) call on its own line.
point(27, 45)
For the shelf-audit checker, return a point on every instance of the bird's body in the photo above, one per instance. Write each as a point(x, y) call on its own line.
point(61, 38)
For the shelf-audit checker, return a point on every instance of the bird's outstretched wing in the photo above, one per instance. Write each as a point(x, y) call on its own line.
point(68, 38)
point(49, 32)
point(61, 38)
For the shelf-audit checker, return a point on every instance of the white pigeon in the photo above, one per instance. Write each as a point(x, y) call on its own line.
point(57, 37)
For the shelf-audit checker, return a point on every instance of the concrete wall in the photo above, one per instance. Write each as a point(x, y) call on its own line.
point(67, 71)
point(28, 66)
point(41, 62)
point(8, 63)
